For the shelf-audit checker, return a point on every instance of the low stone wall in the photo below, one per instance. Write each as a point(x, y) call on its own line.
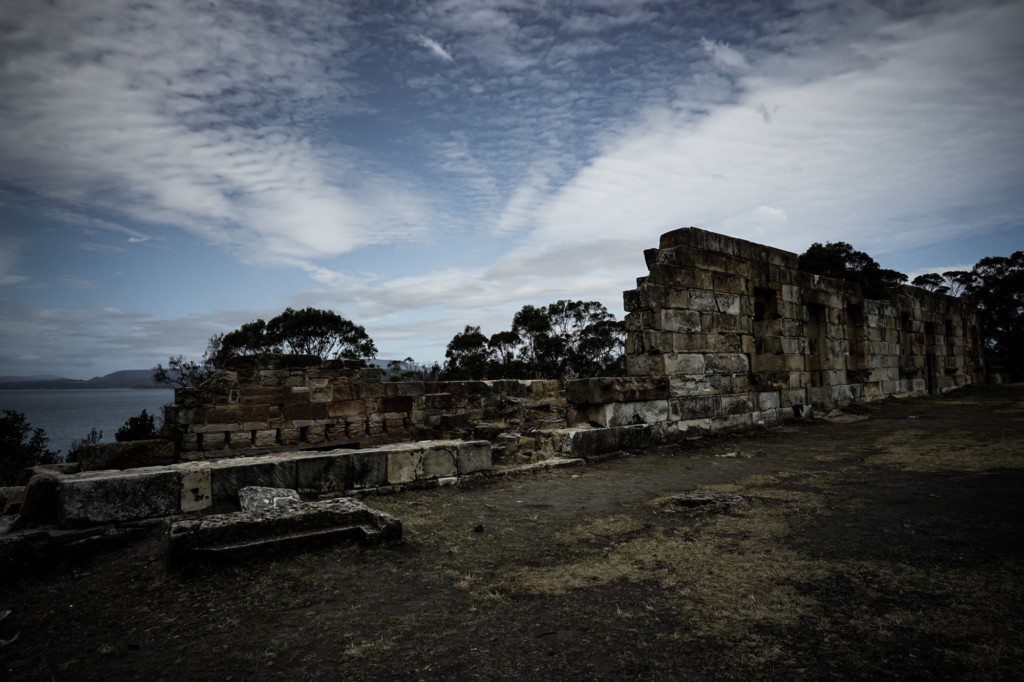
point(286, 401)
point(112, 496)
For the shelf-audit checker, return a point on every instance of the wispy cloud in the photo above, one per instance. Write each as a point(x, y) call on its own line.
point(9, 257)
point(77, 282)
point(724, 56)
point(436, 48)
point(170, 114)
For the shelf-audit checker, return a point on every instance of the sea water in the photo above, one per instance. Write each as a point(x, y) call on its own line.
point(68, 415)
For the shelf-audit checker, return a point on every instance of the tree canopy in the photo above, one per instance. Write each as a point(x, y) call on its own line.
point(841, 261)
point(309, 331)
point(22, 446)
point(140, 427)
point(997, 285)
point(566, 339)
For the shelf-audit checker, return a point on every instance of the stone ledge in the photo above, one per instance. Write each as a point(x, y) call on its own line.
point(110, 496)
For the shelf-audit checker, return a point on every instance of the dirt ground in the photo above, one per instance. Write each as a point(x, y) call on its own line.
point(889, 548)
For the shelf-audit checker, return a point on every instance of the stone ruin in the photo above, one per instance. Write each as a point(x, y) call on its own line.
point(725, 333)
point(721, 334)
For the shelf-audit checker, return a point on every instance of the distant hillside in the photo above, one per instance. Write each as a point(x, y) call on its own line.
point(126, 378)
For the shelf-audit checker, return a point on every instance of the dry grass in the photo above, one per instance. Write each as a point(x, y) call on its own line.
point(962, 451)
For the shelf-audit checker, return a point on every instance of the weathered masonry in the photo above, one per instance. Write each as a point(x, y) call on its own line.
point(728, 333)
point(722, 334)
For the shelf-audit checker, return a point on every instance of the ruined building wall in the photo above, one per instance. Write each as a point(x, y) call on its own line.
point(727, 333)
point(722, 333)
point(300, 401)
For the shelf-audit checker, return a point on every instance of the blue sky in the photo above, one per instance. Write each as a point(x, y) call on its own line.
point(172, 171)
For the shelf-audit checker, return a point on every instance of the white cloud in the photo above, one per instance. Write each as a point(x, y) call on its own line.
point(724, 56)
point(436, 48)
point(770, 215)
point(74, 218)
point(889, 152)
point(169, 113)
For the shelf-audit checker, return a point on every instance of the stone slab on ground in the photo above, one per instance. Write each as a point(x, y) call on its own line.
point(253, 532)
point(255, 498)
point(115, 496)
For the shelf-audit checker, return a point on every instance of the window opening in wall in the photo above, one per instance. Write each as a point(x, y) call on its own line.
point(950, 345)
point(906, 347)
point(930, 365)
point(817, 325)
point(767, 328)
point(855, 337)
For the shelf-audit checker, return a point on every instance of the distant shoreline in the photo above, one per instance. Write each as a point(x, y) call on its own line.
point(64, 387)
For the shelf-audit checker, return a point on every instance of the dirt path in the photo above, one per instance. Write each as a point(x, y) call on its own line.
point(887, 548)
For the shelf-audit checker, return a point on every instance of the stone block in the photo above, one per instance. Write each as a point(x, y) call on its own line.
point(720, 322)
point(227, 476)
point(684, 363)
point(209, 442)
point(731, 284)
point(411, 389)
point(680, 320)
point(305, 411)
point(696, 407)
point(793, 396)
point(255, 533)
point(196, 491)
point(39, 504)
point(625, 414)
point(405, 465)
point(820, 396)
point(727, 363)
point(841, 394)
point(645, 365)
point(768, 400)
point(690, 427)
point(701, 300)
point(440, 462)
point(126, 455)
point(733, 421)
point(740, 403)
point(257, 498)
point(111, 497)
point(240, 440)
point(728, 303)
point(321, 394)
point(474, 455)
point(265, 438)
point(348, 409)
point(369, 468)
point(616, 389)
point(370, 391)
point(324, 472)
point(763, 417)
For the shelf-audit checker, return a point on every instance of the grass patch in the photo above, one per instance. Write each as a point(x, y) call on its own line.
point(963, 451)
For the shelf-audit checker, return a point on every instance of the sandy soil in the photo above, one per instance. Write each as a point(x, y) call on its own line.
point(887, 548)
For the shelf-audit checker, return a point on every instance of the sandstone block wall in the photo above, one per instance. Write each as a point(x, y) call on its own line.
point(726, 333)
point(290, 400)
point(301, 401)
